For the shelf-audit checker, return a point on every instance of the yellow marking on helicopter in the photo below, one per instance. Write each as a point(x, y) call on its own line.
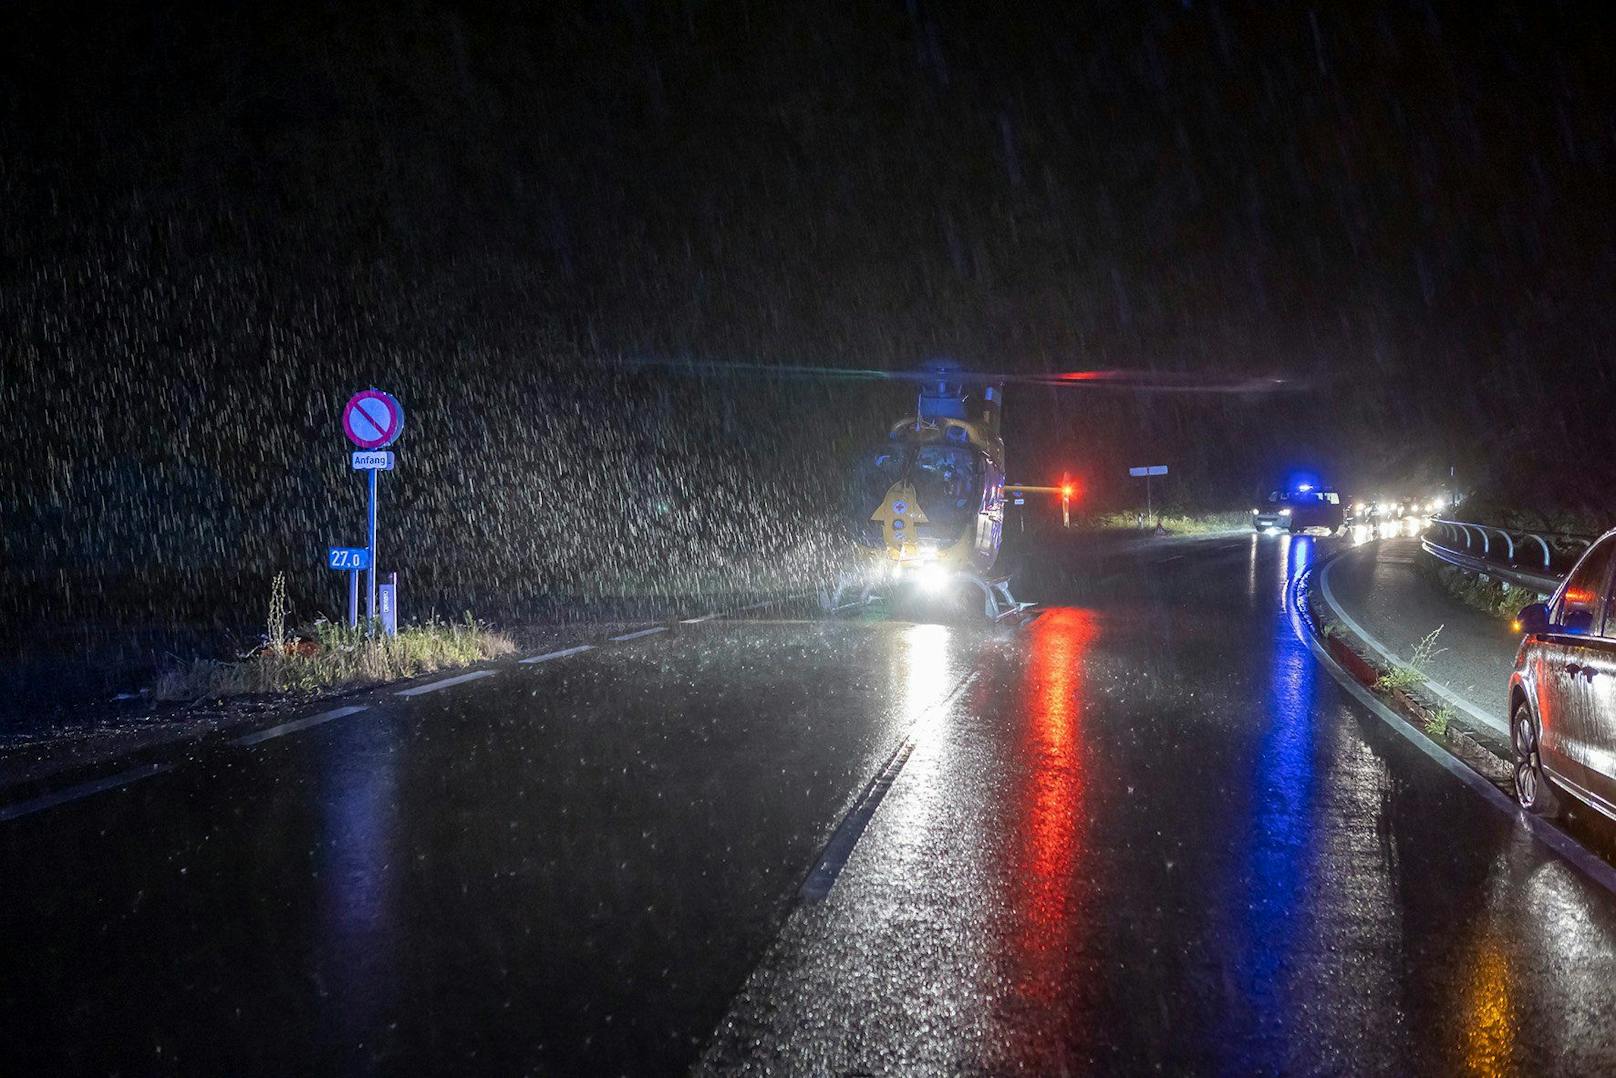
point(899, 516)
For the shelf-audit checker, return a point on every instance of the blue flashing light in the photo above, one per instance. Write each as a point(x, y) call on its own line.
point(1303, 482)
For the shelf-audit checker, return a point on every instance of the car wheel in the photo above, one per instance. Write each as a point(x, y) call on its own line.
point(1533, 791)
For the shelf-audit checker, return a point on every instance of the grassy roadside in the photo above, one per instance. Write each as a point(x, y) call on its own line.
point(1172, 523)
point(335, 657)
point(327, 656)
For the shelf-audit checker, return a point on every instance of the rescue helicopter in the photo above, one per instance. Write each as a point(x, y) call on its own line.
point(926, 504)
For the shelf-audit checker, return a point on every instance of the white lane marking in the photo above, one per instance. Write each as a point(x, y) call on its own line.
point(82, 790)
point(295, 725)
point(697, 621)
point(459, 679)
point(833, 858)
point(562, 654)
point(1590, 864)
point(643, 632)
point(1475, 711)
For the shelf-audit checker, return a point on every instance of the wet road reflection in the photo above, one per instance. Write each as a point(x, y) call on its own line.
point(1189, 854)
point(1052, 884)
point(1279, 836)
point(1488, 1018)
point(356, 869)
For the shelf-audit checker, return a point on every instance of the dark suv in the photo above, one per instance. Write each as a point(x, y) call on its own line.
point(1562, 695)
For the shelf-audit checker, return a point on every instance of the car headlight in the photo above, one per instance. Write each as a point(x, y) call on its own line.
point(1284, 512)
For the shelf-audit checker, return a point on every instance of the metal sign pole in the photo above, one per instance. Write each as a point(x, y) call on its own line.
point(353, 598)
point(370, 574)
point(372, 420)
point(1150, 511)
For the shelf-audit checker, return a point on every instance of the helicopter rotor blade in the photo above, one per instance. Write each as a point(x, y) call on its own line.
point(709, 368)
point(1151, 381)
point(1143, 381)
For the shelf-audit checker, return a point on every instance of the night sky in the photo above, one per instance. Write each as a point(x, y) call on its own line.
point(219, 221)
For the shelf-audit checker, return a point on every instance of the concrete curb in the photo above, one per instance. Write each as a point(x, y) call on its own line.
point(1482, 754)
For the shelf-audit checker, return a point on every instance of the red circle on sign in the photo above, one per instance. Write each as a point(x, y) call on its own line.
point(372, 419)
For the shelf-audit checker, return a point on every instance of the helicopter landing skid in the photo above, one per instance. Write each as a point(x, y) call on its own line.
point(997, 602)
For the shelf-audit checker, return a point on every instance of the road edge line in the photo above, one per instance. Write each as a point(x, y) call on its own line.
point(19, 809)
point(445, 683)
point(577, 649)
point(247, 741)
point(637, 634)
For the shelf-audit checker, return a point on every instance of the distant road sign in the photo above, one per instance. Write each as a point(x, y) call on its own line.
point(347, 557)
point(1154, 469)
point(372, 460)
point(372, 419)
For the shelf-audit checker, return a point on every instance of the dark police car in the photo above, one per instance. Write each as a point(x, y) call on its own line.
point(1299, 508)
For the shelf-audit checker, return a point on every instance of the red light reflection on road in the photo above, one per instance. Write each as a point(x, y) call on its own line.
point(1046, 894)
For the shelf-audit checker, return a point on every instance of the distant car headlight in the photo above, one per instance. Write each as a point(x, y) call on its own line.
point(1254, 512)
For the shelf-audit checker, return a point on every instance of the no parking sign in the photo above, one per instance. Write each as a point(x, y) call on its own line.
point(372, 419)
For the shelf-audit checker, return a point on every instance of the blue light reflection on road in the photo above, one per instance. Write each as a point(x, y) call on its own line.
point(357, 857)
point(1278, 842)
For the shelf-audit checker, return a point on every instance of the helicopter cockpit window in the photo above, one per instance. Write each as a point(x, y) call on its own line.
point(948, 483)
point(873, 476)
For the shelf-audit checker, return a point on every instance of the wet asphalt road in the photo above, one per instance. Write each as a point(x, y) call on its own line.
point(1145, 831)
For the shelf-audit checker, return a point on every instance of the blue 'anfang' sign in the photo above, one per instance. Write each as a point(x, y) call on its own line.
point(347, 557)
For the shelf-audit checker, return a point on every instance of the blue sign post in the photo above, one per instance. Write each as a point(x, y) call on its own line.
point(1145, 473)
point(372, 421)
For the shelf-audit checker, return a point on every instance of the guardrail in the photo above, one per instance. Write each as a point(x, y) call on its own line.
point(1492, 551)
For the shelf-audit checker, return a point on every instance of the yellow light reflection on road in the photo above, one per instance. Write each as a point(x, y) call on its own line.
point(925, 675)
point(1489, 1021)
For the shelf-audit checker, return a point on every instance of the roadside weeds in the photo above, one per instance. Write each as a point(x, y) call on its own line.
point(336, 657)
